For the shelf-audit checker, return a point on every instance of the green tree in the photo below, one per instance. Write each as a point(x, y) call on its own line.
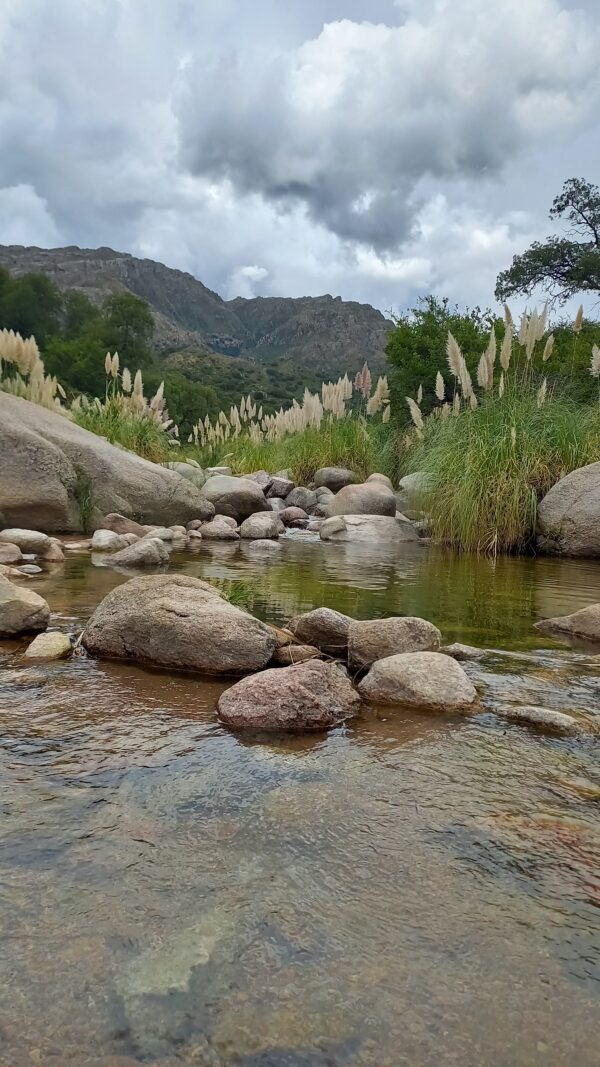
point(562, 266)
point(128, 329)
point(30, 304)
point(79, 315)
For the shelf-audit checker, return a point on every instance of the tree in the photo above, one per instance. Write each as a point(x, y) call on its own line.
point(30, 304)
point(562, 266)
point(128, 329)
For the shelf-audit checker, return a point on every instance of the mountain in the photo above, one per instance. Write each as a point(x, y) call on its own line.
point(307, 338)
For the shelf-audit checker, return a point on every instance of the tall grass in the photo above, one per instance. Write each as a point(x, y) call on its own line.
point(126, 428)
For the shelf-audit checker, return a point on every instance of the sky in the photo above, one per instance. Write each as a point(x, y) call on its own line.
point(374, 149)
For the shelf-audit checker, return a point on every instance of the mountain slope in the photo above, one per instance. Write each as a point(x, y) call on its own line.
point(322, 336)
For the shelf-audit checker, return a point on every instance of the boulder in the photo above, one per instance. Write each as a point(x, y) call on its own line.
point(108, 541)
point(261, 546)
point(543, 719)
point(307, 696)
point(583, 623)
point(293, 517)
point(120, 524)
point(376, 639)
point(324, 495)
point(369, 498)
point(323, 627)
point(263, 525)
point(334, 478)
point(219, 530)
point(235, 497)
point(279, 487)
point(29, 541)
point(286, 655)
point(57, 476)
point(54, 554)
point(21, 610)
point(50, 645)
point(192, 471)
point(568, 518)
point(262, 479)
point(370, 529)
point(276, 504)
point(178, 622)
point(382, 479)
point(10, 553)
point(30, 569)
point(427, 681)
point(463, 653)
point(148, 552)
point(301, 497)
point(163, 533)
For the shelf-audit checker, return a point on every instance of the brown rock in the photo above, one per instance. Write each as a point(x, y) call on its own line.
point(288, 654)
point(21, 610)
point(120, 524)
point(10, 553)
point(324, 628)
point(427, 681)
point(584, 623)
point(378, 638)
point(307, 696)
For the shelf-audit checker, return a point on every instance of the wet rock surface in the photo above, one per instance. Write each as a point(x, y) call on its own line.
point(307, 696)
point(426, 681)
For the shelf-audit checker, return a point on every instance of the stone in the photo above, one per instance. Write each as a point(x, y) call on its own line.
point(568, 517)
point(306, 696)
point(368, 498)
point(58, 477)
point(261, 546)
point(147, 552)
point(50, 645)
point(288, 654)
point(279, 487)
point(276, 504)
point(214, 471)
point(120, 524)
point(54, 554)
point(543, 719)
point(324, 495)
point(334, 478)
point(583, 623)
point(108, 541)
point(177, 622)
point(164, 533)
point(293, 517)
point(29, 541)
point(263, 479)
point(218, 530)
point(382, 479)
point(178, 531)
point(229, 521)
point(301, 497)
point(30, 569)
point(426, 681)
point(10, 553)
point(463, 652)
point(263, 525)
point(194, 536)
point(323, 627)
point(375, 639)
point(235, 497)
point(21, 610)
point(195, 524)
point(370, 529)
point(192, 471)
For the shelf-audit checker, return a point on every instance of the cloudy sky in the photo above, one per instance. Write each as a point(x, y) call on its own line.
point(375, 149)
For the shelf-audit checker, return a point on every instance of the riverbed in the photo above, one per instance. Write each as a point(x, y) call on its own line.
point(406, 891)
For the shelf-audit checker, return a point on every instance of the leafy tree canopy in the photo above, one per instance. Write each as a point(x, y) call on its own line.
point(562, 266)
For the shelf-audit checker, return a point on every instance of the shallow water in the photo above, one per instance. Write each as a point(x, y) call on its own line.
point(407, 890)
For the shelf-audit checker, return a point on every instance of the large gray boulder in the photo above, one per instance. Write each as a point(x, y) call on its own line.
point(583, 623)
point(307, 696)
point(375, 639)
point(301, 497)
point(236, 497)
point(10, 553)
point(334, 478)
point(368, 529)
point(219, 530)
point(148, 552)
point(56, 476)
point(382, 479)
point(427, 681)
point(324, 628)
point(280, 487)
point(29, 541)
point(178, 622)
point(369, 498)
point(568, 518)
point(265, 524)
point(21, 610)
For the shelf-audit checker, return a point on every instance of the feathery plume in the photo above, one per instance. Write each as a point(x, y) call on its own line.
point(595, 364)
point(440, 388)
point(454, 355)
point(415, 413)
point(541, 393)
point(577, 325)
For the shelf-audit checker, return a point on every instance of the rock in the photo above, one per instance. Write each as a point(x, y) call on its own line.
point(236, 497)
point(263, 525)
point(195, 524)
point(29, 541)
point(214, 471)
point(177, 622)
point(412, 494)
point(108, 541)
point(10, 553)
point(334, 478)
point(370, 498)
point(120, 524)
point(383, 479)
point(164, 533)
point(148, 552)
point(30, 568)
point(276, 504)
point(10, 572)
point(54, 554)
point(261, 546)
point(545, 719)
point(293, 517)
point(324, 628)
point(376, 639)
point(280, 487)
point(568, 518)
point(282, 636)
point(218, 530)
point(229, 521)
point(324, 495)
point(301, 497)
point(288, 654)
point(307, 696)
point(372, 529)
point(583, 623)
point(57, 476)
point(192, 471)
point(178, 532)
point(50, 645)
point(427, 681)
point(194, 536)
point(463, 652)
point(21, 610)
point(262, 479)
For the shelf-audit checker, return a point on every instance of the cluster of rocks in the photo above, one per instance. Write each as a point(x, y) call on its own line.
point(19, 549)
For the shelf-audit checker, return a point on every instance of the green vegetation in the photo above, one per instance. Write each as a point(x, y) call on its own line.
point(84, 495)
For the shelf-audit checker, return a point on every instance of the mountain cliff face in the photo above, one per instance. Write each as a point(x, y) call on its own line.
point(324, 336)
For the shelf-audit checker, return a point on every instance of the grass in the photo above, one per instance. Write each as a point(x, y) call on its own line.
point(84, 495)
point(490, 467)
point(136, 432)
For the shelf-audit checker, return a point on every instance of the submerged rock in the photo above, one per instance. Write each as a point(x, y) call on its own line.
point(427, 681)
point(261, 526)
point(369, 498)
point(584, 623)
point(323, 627)
point(261, 546)
point(334, 478)
point(544, 719)
point(463, 652)
point(236, 497)
point(378, 638)
point(307, 696)
point(568, 518)
point(179, 622)
point(29, 541)
point(21, 610)
point(369, 529)
point(48, 646)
